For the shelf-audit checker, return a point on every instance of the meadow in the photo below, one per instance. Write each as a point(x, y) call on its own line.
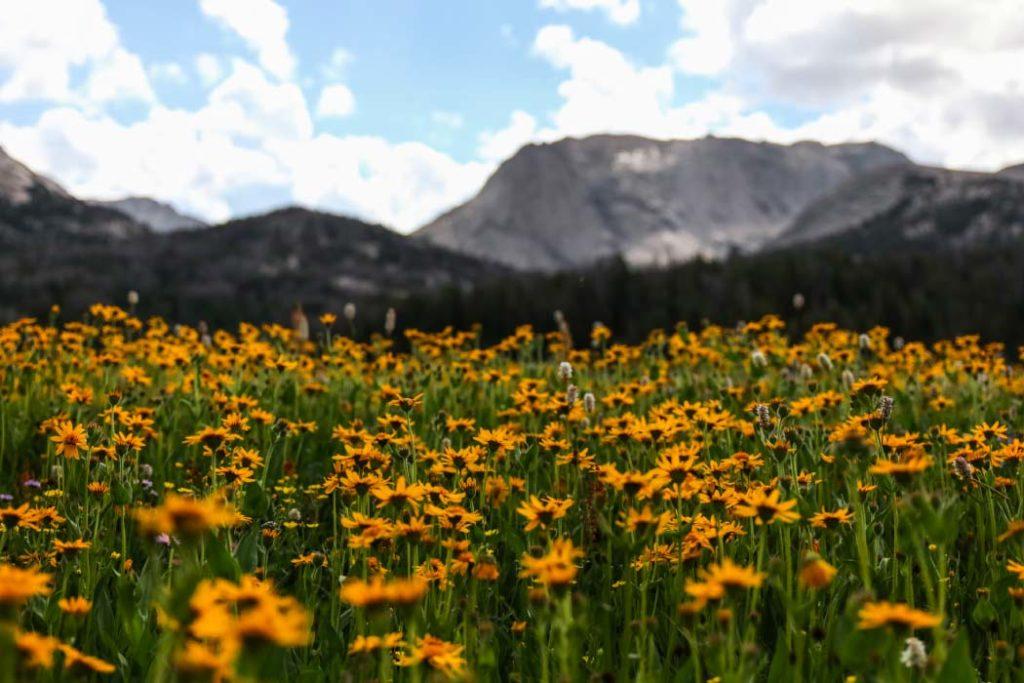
point(726, 504)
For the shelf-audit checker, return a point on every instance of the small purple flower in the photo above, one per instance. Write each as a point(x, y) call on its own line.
point(163, 539)
point(33, 484)
point(6, 497)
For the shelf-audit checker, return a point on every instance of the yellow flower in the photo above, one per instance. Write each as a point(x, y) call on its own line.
point(440, 655)
point(18, 585)
point(766, 508)
point(831, 520)
point(379, 592)
point(187, 517)
point(72, 547)
point(75, 660)
point(70, 439)
point(540, 513)
point(880, 614)
point(816, 573)
point(1016, 568)
point(76, 606)
point(557, 568)
point(20, 517)
point(719, 579)
point(36, 649)
point(368, 644)
point(1013, 529)
point(902, 470)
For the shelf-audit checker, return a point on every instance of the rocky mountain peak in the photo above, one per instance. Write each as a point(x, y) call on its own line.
point(569, 203)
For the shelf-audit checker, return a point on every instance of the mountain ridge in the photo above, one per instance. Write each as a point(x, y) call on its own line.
point(157, 215)
point(898, 207)
point(578, 200)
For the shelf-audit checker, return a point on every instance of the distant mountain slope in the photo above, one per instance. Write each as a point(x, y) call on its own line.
point(914, 205)
point(18, 182)
point(572, 202)
point(37, 209)
point(255, 268)
point(159, 216)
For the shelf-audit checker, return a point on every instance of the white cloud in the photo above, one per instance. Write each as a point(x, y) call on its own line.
point(253, 135)
point(44, 42)
point(334, 69)
point(402, 185)
point(336, 101)
point(172, 72)
point(605, 91)
point(170, 155)
point(619, 11)
point(209, 68)
point(498, 145)
point(448, 119)
point(247, 107)
point(262, 24)
point(707, 47)
point(937, 78)
point(118, 76)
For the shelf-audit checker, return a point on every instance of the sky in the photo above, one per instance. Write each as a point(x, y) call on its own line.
point(396, 110)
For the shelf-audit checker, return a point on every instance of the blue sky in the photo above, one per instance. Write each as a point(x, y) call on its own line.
point(395, 110)
point(411, 62)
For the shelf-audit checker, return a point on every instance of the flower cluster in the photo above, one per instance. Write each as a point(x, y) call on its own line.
point(733, 503)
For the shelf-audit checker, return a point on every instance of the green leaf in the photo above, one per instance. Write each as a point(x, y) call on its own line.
point(220, 560)
point(256, 502)
point(984, 613)
point(958, 667)
point(780, 670)
point(121, 493)
point(247, 551)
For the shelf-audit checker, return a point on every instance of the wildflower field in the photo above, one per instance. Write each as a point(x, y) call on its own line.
point(722, 504)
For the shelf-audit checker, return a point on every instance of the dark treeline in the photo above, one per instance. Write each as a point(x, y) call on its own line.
point(924, 295)
point(918, 294)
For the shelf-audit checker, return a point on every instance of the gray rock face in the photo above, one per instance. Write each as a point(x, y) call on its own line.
point(572, 202)
point(160, 217)
point(896, 207)
point(17, 182)
point(36, 210)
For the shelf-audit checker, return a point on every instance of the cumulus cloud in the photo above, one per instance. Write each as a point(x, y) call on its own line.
point(501, 144)
point(119, 75)
point(262, 24)
point(172, 72)
point(253, 132)
point(336, 101)
point(335, 67)
point(605, 91)
point(936, 78)
point(401, 185)
point(44, 42)
point(209, 68)
point(619, 11)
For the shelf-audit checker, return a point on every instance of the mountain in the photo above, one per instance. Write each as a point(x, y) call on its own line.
point(158, 216)
point(255, 268)
point(576, 201)
point(914, 206)
point(18, 183)
point(57, 249)
point(36, 210)
point(1016, 171)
